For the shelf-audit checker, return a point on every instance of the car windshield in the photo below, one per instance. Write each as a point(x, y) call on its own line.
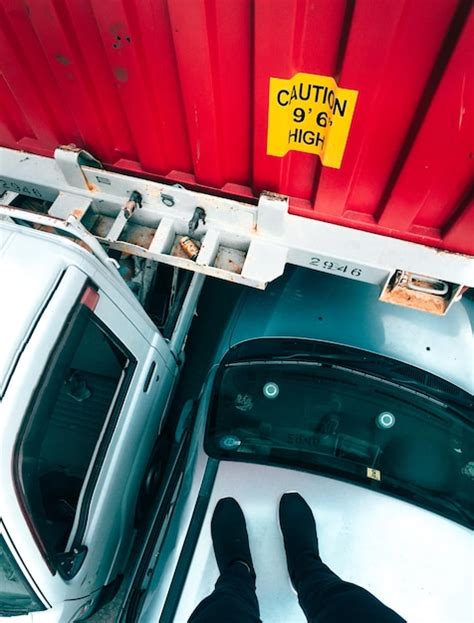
point(348, 424)
point(16, 596)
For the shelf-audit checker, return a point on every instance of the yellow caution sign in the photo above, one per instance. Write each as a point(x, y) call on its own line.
point(310, 113)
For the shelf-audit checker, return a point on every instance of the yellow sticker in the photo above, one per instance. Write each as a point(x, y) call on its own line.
point(373, 473)
point(312, 114)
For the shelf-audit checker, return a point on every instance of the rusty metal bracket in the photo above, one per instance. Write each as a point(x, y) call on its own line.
point(420, 292)
point(231, 239)
point(198, 216)
point(70, 160)
point(133, 202)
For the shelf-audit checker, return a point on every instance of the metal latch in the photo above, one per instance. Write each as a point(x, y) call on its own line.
point(69, 563)
point(419, 283)
point(134, 201)
point(427, 294)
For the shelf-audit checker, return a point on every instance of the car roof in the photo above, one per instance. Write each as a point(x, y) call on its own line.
point(315, 305)
point(30, 269)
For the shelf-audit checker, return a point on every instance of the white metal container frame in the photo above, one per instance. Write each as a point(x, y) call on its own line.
point(266, 235)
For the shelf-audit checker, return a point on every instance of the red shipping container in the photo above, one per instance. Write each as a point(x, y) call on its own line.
point(179, 90)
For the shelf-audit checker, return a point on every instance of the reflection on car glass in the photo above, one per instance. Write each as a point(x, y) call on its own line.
point(243, 402)
point(271, 390)
point(468, 470)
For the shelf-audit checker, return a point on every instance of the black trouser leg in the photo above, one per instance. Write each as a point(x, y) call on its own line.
point(325, 598)
point(233, 599)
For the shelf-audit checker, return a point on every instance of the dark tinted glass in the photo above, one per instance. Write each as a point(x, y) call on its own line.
point(347, 423)
point(64, 425)
point(16, 596)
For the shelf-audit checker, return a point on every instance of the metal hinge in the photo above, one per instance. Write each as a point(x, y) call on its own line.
point(69, 563)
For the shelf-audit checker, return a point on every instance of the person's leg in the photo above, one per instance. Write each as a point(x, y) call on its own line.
point(323, 596)
point(233, 599)
point(326, 598)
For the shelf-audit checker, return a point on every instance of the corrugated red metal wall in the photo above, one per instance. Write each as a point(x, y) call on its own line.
point(179, 89)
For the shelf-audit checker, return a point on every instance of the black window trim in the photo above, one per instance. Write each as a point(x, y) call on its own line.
point(69, 326)
point(29, 582)
point(332, 353)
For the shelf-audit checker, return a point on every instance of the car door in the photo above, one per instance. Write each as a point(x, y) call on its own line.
point(87, 437)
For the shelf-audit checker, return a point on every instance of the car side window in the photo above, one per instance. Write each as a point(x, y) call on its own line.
point(80, 391)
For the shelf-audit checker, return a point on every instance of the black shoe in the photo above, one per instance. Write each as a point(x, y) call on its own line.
point(299, 530)
point(229, 535)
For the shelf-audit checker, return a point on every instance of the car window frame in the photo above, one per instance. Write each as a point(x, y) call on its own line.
point(81, 306)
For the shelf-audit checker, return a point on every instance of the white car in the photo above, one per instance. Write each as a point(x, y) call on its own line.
point(364, 408)
point(85, 381)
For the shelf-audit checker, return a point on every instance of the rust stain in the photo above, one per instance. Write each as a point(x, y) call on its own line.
point(271, 196)
point(190, 247)
point(179, 248)
point(234, 267)
point(231, 260)
point(455, 253)
point(417, 300)
point(70, 147)
point(78, 213)
point(138, 235)
point(101, 226)
point(46, 228)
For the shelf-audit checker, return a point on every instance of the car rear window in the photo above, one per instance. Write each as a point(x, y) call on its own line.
point(349, 424)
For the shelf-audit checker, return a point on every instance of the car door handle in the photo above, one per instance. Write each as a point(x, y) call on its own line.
point(149, 376)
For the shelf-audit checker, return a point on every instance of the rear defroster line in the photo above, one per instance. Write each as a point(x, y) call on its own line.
point(190, 542)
